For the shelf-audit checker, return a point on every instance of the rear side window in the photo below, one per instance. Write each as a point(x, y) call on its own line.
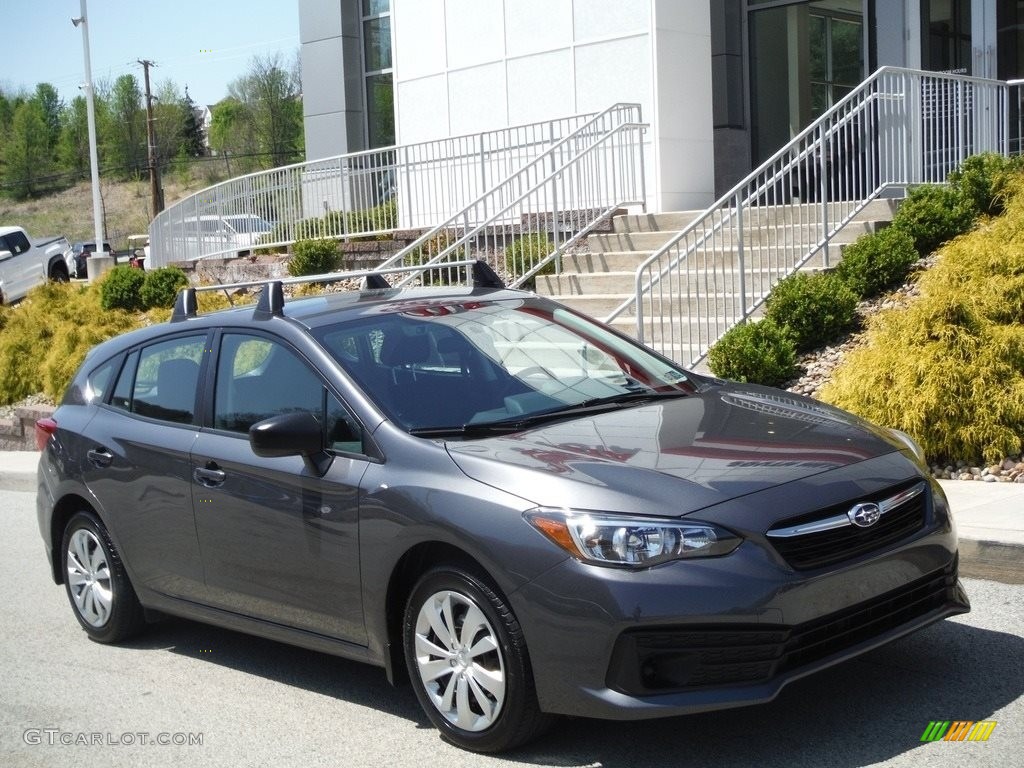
point(99, 381)
point(167, 378)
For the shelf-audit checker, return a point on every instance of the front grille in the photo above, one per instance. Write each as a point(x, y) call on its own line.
point(825, 548)
point(663, 660)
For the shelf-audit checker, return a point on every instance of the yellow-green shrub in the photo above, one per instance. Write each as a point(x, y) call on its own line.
point(949, 369)
point(46, 336)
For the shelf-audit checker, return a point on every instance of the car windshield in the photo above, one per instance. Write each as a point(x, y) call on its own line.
point(468, 366)
point(248, 224)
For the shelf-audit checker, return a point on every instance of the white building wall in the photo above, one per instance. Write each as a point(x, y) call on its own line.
point(462, 66)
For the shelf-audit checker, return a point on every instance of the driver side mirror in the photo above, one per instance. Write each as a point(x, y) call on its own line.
point(4, 255)
point(291, 434)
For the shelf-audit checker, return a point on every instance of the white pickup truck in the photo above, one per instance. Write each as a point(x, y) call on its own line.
point(24, 264)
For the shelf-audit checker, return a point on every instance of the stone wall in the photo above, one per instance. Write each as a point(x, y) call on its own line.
point(18, 432)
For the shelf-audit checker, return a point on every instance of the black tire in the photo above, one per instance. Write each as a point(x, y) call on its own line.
point(514, 717)
point(59, 274)
point(102, 597)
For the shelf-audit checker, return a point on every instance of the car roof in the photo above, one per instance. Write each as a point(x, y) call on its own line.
point(313, 311)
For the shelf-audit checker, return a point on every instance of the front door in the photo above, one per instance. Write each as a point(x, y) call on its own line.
point(279, 542)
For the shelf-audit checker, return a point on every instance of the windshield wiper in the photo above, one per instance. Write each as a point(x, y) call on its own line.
point(519, 423)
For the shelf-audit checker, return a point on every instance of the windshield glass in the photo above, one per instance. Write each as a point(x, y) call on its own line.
point(248, 224)
point(448, 364)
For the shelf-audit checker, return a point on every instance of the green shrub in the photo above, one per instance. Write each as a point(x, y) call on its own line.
point(933, 214)
point(981, 181)
point(523, 253)
point(313, 257)
point(53, 328)
point(122, 289)
point(759, 353)
point(877, 261)
point(160, 286)
point(813, 308)
point(949, 369)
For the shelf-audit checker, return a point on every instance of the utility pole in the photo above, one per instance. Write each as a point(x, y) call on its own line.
point(154, 172)
point(94, 163)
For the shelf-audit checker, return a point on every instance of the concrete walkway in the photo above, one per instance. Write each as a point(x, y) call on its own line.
point(989, 518)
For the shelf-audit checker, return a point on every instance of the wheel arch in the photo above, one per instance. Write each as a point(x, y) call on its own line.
point(407, 571)
point(63, 511)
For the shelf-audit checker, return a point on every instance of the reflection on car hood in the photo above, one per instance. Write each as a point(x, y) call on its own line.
point(680, 455)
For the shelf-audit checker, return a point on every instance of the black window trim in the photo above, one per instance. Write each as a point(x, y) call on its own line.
point(371, 452)
point(127, 354)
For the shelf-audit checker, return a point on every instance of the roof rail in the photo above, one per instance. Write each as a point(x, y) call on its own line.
point(271, 302)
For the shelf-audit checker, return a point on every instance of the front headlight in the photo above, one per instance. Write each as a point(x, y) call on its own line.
point(631, 542)
point(911, 443)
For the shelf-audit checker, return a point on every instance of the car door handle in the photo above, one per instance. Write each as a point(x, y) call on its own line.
point(99, 457)
point(211, 478)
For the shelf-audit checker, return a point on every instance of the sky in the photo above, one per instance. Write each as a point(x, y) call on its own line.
point(204, 44)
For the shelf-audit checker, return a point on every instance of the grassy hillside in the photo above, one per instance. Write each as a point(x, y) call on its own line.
point(126, 207)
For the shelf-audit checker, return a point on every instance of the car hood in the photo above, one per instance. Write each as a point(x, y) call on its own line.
point(674, 456)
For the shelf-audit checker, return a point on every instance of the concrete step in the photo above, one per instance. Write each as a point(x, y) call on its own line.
point(628, 261)
point(804, 235)
point(698, 282)
point(880, 209)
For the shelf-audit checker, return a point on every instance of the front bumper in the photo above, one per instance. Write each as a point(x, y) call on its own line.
point(725, 632)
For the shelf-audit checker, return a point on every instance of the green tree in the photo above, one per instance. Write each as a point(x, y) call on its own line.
point(231, 135)
point(124, 128)
point(26, 153)
point(194, 135)
point(49, 102)
point(271, 94)
point(73, 145)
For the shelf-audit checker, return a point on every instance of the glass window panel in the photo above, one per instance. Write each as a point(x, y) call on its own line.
point(377, 43)
point(258, 378)
point(167, 378)
point(380, 107)
point(373, 7)
point(818, 44)
point(846, 53)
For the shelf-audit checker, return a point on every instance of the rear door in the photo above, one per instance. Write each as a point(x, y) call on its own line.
point(137, 463)
point(279, 541)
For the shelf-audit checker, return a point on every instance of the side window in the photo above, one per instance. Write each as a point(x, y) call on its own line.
point(122, 397)
point(17, 242)
point(97, 383)
point(343, 431)
point(167, 378)
point(258, 378)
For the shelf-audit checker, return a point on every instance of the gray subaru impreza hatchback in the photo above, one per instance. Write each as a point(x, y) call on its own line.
point(504, 502)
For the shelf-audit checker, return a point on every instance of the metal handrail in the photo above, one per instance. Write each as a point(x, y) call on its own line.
point(899, 127)
point(469, 221)
point(343, 196)
point(586, 208)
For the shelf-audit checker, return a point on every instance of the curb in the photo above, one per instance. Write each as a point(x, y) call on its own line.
point(993, 560)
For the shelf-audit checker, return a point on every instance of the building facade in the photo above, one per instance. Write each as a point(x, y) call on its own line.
point(723, 83)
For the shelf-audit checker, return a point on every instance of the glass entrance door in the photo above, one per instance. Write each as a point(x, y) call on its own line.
point(804, 57)
point(946, 36)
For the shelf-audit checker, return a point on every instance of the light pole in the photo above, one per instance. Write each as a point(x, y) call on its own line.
point(94, 163)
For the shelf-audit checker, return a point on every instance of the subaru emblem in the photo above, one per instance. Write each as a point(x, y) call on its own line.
point(864, 515)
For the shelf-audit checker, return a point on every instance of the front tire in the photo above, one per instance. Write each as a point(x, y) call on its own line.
point(97, 586)
point(468, 662)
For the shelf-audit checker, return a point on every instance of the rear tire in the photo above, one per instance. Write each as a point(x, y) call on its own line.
point(100, 593)
point(59, 274)
point(468, 662)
